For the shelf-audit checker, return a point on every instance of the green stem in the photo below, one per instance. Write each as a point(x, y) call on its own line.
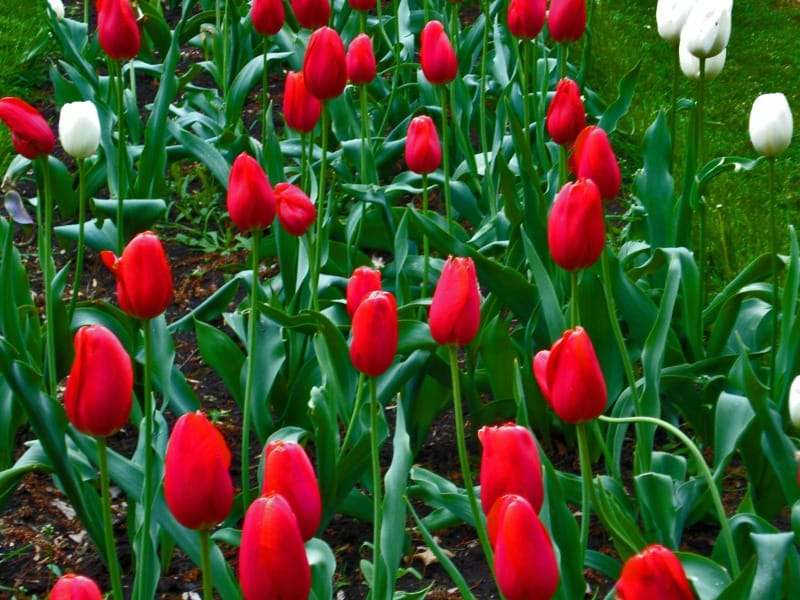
point(377, 503)
point(81, 250)
point(321, 209)
point(116, 69)
point(251, 370)
point(574, 307)
point(586, 487)
point(147, 487)
point(264, 100)
point(205, 564)
point(353, 417)
point(523, 82)
point(364, 131)
point(46, 261)
point(673, 119)
point(446, 160)
point(108, 525)
point(773, 240)
point(563, 56)
point(425, 241)
point(304, 161)
point(482, 101)
point(225, 51)
point(701, 204)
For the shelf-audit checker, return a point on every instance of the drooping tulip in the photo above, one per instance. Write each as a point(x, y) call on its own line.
point(267, 16)
point(375, 333)
point(312, 14)
point(566, 19)
point(708, 27)
point(576, 229)
point(79, 129)
point(566, 116)
point(75, 587)
point(690, 64)
point(771, 124)
point(251, 200)
point(296, 212)
point(455, 313)
point(361, 67)
point(99, 393)
point(438, 59)
point(593, 158)
point(670, 18)
point(300, 109)
point(30, 133)
point(363, 281)
point(57, 7)
point(324, 65)
point(423, 149)
point(526, 18)
point(117, 30)
point(656, 574)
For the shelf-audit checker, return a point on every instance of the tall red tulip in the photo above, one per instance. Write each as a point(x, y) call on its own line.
point(656, 574)
point(570, 377)
point(566, 19)
point(117, 30)
point(267, 16)
point(197, 479)
point(296, 212)
point(438, 59)
point(30, 133)
point(144, 279)
point(300, 109)
point(99, 392)
point(360, 60)
point(363, 281)
point(324, 65)
point(75, 587)
point(251, 200)
point(593, 157)
point(375, 334)
point(566, 116)
point(526, 18)
point(272, 558)
point(423, 148)
point(289, 472)
point(312, 14)
point(576, 231)
point(455, 313)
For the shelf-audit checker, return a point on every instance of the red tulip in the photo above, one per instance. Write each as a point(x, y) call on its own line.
point(655, 574)
point(312, 14)
point(197, 479)
point(593, 157)
point(300, 109)
point(361, 67)
point(566, 19)
point(423, 149)
point(510, 465)
point(267, 16)
point(363, 281)
point(99, 392)
point(576, 230)
point(272, 558)
point(144, 279)
point(30, 133)
point(526, 18)
point(439, 63)
point(566, 116)
point(363, 5)
point(570, 377)
point(117, 30)
point(251, 201)
point(75, 587)
point(296, 212)
point(455, 313)
point(288, 472)
point(374, 341)
point(324, 64)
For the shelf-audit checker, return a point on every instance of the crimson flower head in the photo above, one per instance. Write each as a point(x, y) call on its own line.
point(455, 313)
point(363, 281)
point(655, 573)
point(375, 334)
point(75, 587)
point(267, 16)
point(251, 201)
point(576, 230)
point(312, 14)
point(296, 212)
point(423, 148)
point(144, 279)
point(593, 157)
point(438, 59)
point(324, 65)
point(117, 30)
point(566, 117)
point(566, 19)
point(30, 133)
point(361, 67)
point(526, 18)
point(300, 109)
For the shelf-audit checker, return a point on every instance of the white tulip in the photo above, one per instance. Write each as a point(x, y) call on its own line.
point(79, 129)
point(58, 8)
point(670, 18)
point(708, 27)
point(771, 125)
point(690, 64)
point(794, 402)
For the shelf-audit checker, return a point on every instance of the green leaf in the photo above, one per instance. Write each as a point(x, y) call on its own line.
point(223, 355)
point(323, 567)
point(655, 186)
point(708, 578)
point(619, 108)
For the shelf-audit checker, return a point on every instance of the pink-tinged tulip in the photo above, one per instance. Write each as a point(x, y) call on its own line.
point(363, 281)
point(593, 157)
point(312, 14)
point(197, 479)
point(117, 30)
point(570, 377)
point(272, 557)
point(251, 200)
point(144, 279)
point(455, 313)
point(363, 5)
point(75, 587)
point(296, 212)
point(510, 465)
point(288, 472)
point(526, 18)
point(267, 16)
point(30, 133)
point(656, 574)
point(375, 334)
point(576, 230)
point(423, 148)
point(324, 65)
point(99, 392)
point(438, 59)
point(566, 117)
point(300, 109)
point(566, 19)
point(361, 67)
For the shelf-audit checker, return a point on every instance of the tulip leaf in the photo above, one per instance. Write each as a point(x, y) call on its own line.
point(773, 551)
point(323, 567)
point(139, 214)
point(34, 459)
point(244, 81)
point(733, 417)
point(204, 151)
point(708, 578)
point(16, 209)
point(619, 108)
point(223, 355)
point(655, 186)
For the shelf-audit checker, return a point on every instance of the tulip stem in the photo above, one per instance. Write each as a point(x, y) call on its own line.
point(108, 525)
point(482, 102)
point(701, 205)
point(304, 161)
point(774, 260)
point(321, 210)
point(147, 487)
point(425, 241)
point(115, 69)
point(523, 83)
point(377, 503)
point(46, 261)
point(673, 121)
point(446, 160)
point(81, 227)
point(248, 400)
point(574, 308)
point(353, 417)
point(264, 100)
point(205, 564)
point(586, 486)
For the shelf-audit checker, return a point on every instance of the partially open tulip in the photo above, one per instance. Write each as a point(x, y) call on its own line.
point(771, 124)
point(312, 14)
point(526, 18)
point(79, 129)
point(300, 109)
point(566, 19)
point(296, 212)
point(593, 158)
point(30, 133)
point(58, 8)
point(423, 148)
point(272, 557)
point(99, 392)
point(708, 27)
point(361, 67)
point(75, 587)
point(267, 16)
point(375, 334)
point(576, 231)
point(324, 65)
point(117, 30)
point(455, 313)
point(289, 472)
point(363, 281)
point(251, 200)
point(197, 479)
point(144, 279)
point(566, 116)
point(570, 377)
point(690, 64)
point(670, 18)
point(655, 574)
point(438, 59)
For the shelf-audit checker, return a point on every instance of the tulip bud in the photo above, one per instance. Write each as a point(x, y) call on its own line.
point(272, 558)
point(375, 334)
point(362, 5)
point(197, 479)
point(670, 18)
point(296, 212)
point(363, 281)
point(771, 124)
point(423, 149)
point(576, 231)
point(300, 109)
point(708, 27)
point(360, 60)
point(79, 129)
point(654, 573)
point(144, 279)
point(267, 16)
point(526, 18)
point(117, 30)
point(794, 402)
point(288, 472)
point(30, 133)
point(594, 159)
point(455, 313)
point(99, 392)
point(566, 117)
point(690, 64)
point(75, 587)
point(570, 377)
point(324, 65)
point(510, 465)
point(57, 6)
point(251, 201)
point(566, 19)
point(312, 14)
point(439, 62)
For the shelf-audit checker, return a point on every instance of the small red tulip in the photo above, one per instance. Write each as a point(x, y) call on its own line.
point(656, 574)
point(117, 30)
point(296, 212)
point(375, 334)
point(312, 14)
point(455, 313)
point(251, 201)
point(361, 67)
point(576, 231)
point(75, 587)
point(144, 279)
point(324, 65)
point(566, 19)
point(593, 157)
point(30, 133)
point(267, 16)
point(570, 377)
point(363, 281)
point(300, 109)
point(439, 63)
point(423, 149)
point(99, 392)
point(272, 557)
point(566, 117)
point(362, 5)
point(197, 479)
point(526, 18)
